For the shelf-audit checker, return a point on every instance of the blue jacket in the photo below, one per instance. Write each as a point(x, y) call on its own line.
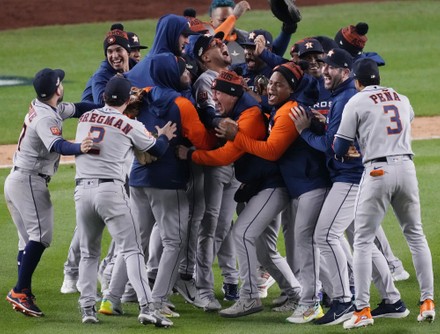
point(95, 87)
point(350, 170)
point(168, 30)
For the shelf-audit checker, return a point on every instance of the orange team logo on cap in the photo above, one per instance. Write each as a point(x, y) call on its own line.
point(309, 45)
point(55, 131)
point(330, 53)
point(111, 40)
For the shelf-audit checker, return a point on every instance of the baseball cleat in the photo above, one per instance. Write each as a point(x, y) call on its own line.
point(306, 313)
point(208, 303)
point(24, 303)
point(427, 311)
point(360, 318)
point(338, 312)
point(230, 291)
point(243, 307)
point(401, 276)
point(396, 310)
point(110, 308)
point(187, 289)
point(264, 282)
point(149, 316)
point(88, 315)
point(69, 286)
point(165, 311)
point(282, 299)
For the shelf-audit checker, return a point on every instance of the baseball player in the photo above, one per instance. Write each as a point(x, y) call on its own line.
point(135, 46)
point(101, 199)
point(305, 175)
point(337, 212)
point(255, 231)
point(35, 162)
point(380, 119)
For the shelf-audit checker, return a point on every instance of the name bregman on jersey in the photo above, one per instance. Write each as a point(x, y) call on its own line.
point(116, 122)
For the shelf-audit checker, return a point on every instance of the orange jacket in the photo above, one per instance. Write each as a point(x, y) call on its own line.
point(282, 134)
point(251, 123)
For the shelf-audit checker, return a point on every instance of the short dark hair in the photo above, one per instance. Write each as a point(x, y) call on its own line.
point(369, 81)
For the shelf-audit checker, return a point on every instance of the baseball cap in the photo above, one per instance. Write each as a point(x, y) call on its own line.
point(308, 46)
point(352, 38)
point(134, 41)
point(202, 43)
point(118, 89)
point(118, 36)
point(338, 58)
point(187, 31)
point(47, 81)
point(250, 40)
point(365, 68)
point(326, 42)
point(199, 26)
point(229, 83)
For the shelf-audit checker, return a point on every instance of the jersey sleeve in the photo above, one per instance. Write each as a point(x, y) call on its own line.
point(203, 93)
point(66, 110)
point(227, 26)
point(251, 124)
point(141, 138)
point(282, 135)
point(192, 127)
point(49, 131)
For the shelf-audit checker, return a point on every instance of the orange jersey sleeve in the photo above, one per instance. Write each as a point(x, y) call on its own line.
point(250, 123)
point(193, 128)
point(282, 135)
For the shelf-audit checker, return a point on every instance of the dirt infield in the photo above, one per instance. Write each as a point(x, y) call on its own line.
point(30, 13)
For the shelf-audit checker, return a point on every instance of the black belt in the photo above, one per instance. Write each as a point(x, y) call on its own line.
point(81, 181)
point(384, 159)
point(22, 170)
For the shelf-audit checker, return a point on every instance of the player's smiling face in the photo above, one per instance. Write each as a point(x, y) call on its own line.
point(278, 89)
point(218, 53)
point(334, 76)
point(117, 57)
point(253, 63)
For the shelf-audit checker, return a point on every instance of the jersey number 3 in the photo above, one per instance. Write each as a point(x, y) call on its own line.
point(395, 118)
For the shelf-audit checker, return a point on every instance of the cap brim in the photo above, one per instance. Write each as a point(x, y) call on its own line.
point(220, 35)
point(188, 32)
point(60, 73)
point(138, 47)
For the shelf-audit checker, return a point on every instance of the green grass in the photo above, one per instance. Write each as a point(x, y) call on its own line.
point(61, 310)
point(403, 32)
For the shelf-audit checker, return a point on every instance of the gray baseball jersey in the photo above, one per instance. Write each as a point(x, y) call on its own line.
point(114, 136)
point(100, 197)
point(380, 119)
point(42, 127)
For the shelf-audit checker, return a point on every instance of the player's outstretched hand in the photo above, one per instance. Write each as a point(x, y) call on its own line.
point(227, 129)
point(299, 116)
point(168, 130)
point(86, 144)
point(241, 8)
point(182, 152)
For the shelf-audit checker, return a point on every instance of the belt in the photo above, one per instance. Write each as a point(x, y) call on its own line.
point(83, 181)
point(385, 159)
point(27, 171)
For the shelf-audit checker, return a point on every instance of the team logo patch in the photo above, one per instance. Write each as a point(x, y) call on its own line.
point(55, 131)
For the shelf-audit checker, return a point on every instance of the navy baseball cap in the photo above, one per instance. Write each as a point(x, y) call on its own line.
point(47, 81)
point(134, 41)
point(365, 68)
point(250, 40)
point(308, 46)
point(339, 58)
point(118, 89)
point(202, 42)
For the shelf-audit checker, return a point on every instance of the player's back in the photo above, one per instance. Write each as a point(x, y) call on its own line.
point(112, 135)
point(384, 118)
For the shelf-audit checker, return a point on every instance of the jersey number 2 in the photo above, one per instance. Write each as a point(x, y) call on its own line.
point(395, 118)
point(97, 133)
